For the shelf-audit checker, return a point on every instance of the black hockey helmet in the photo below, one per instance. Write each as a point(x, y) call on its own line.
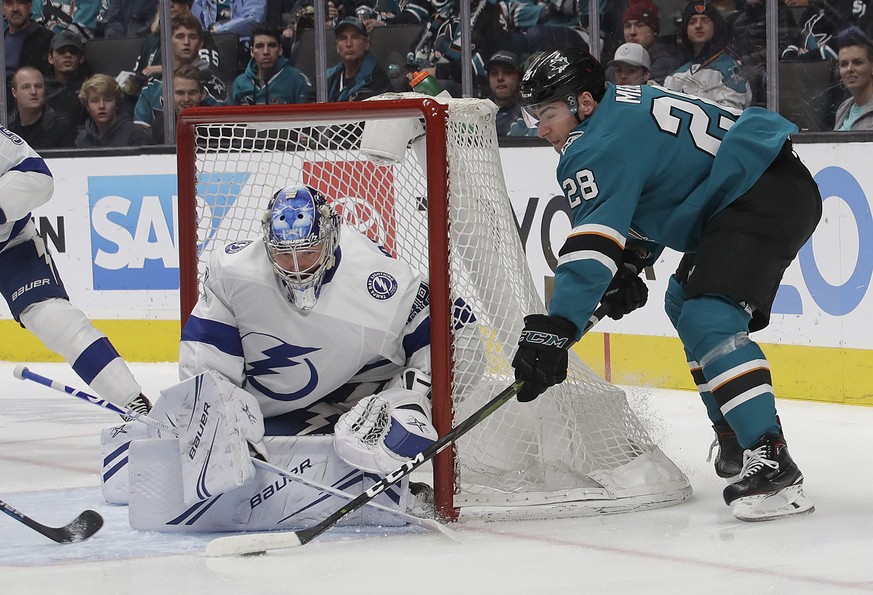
point(561, 75)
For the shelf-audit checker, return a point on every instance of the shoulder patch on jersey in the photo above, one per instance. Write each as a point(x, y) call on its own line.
point(235, 247)
point(381, 285)
point(573, 136)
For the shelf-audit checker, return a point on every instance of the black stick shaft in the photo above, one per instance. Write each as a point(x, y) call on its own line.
point(307, 535)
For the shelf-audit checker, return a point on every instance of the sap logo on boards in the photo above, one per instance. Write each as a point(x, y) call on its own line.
point(135, 222)
point(133, 232)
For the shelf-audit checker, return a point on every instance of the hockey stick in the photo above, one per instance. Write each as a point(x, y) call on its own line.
point(427, 523)
point(260, 543)
point(24, 373)
point(79, 529)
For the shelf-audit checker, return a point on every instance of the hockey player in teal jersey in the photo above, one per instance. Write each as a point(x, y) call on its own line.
point(644, 168)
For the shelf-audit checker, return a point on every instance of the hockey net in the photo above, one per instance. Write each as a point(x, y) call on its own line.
point(440, 204)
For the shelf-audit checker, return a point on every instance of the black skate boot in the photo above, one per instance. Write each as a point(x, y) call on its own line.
point(771, 485)
point(422, 502)
point(729, 459)
point(139, 405)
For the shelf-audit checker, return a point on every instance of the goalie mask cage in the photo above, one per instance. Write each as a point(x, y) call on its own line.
point(441, 206)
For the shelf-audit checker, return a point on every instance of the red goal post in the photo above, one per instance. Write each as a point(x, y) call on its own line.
point(434, 114)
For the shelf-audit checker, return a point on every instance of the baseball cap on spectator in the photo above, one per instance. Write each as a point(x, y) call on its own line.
point(645, 12)
point(633, 54)
point(504, 57)
point(351, 22)
point(67, 39)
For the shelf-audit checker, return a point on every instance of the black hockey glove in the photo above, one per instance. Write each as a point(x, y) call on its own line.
point(626, 293)
point(541, 359)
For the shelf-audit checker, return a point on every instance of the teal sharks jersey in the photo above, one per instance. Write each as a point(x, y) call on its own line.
point(651, 166)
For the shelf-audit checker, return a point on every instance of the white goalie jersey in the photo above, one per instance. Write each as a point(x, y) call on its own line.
point(370, 322)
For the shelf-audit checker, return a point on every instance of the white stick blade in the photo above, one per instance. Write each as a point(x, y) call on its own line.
point(255, 543)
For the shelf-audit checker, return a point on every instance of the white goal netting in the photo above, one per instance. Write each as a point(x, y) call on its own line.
point(579, 448)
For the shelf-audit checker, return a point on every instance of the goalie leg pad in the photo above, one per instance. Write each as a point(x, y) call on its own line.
point(267, 502)
point(115, 448)
point(115, 443)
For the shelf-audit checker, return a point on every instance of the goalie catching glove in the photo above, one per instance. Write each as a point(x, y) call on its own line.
point(541, 360)
point(385, 430)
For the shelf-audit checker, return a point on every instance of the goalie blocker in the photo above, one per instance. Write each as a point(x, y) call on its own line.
point(204, 479)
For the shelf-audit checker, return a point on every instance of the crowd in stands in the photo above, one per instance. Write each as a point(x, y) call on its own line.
point(716, 49)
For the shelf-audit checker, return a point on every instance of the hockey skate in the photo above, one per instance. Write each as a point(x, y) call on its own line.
point(771, 485)
point(729, 458)
point(422, 503)
point(139, 405)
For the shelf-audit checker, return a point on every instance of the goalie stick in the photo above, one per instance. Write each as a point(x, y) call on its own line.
point(24, 373)
point(260, 543)
point(79, 529)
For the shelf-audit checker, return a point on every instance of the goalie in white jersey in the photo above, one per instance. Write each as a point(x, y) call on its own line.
point(330, 337)
point(33, 289)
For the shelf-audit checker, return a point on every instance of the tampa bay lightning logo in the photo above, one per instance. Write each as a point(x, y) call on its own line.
point(284, 372)
point(235, 247)
point(381, 285)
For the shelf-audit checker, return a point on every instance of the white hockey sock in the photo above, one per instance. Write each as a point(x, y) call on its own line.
point(64, 329)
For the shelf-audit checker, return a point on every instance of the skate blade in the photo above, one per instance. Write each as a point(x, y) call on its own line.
point(789, 501)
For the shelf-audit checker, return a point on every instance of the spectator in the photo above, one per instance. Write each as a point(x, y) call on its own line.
point(856, 75)
point(186, 40)
point(77, 16)
point(130, 18)
point(106, 126)
point(820, 22)
point(149, 64)
point(504, 75)
point(188, 91)
point(631, 65)
point(234, 16)
point(33, 120)
point(712, 73)
point(357, 76)
point(750, 41)
point(269, 77)
point(548, 25)
point(641, 24)
point(26, 43)
point(729, 9)
point(69, 71)
point(440, 47)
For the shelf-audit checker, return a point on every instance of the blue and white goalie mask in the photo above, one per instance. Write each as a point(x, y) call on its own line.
point(301, 235)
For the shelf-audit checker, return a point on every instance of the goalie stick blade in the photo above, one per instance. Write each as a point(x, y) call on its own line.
point(252, 545)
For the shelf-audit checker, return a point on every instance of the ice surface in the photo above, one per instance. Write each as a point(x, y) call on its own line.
point(49, 469)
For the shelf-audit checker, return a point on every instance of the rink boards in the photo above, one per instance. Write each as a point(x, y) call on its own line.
point(113, 227)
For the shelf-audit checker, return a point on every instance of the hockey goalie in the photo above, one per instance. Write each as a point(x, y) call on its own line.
point(308, 349)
